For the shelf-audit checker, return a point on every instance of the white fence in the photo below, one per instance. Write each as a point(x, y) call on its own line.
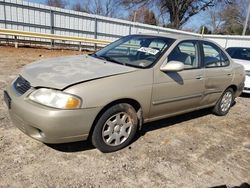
point(230, 40)
point(27, 16)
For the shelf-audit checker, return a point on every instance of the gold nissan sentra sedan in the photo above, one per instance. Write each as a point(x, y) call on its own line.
point(107, 96)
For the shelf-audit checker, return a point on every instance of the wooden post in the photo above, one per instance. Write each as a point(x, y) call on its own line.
point(16, 42)
point(203, 31)
point(80, 46)
point(95, 34)
point(246, 22)
point(52, 31)
point(4, 14)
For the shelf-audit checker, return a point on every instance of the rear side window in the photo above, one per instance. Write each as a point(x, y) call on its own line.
point(214, 56)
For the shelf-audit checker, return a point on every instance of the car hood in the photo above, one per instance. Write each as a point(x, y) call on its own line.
point(245, 63)
point(62, 72)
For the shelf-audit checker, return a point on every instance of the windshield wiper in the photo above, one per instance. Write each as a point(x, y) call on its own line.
point(107, 58)
point(112, 60)
point(99, 57)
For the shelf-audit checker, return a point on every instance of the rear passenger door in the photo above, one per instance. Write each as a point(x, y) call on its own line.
point(218, 72)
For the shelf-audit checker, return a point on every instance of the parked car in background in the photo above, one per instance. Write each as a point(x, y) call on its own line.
point(107, 96)
point(242, 56)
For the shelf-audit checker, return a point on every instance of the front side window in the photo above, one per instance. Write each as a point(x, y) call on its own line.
point(187, 53)
point(135, 50)
point(214, 56)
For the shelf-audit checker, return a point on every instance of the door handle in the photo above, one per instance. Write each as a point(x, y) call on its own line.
point(199, 77)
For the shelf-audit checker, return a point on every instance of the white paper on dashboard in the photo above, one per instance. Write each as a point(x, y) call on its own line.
point(148, 50)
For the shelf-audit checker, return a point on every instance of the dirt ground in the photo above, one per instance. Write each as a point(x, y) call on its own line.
point(192, 150)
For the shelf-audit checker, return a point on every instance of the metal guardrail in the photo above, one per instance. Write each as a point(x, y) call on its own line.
point(39, 18)
point(52, 37)
point(86, 41)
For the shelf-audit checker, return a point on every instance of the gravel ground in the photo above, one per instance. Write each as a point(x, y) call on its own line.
point(192, 150)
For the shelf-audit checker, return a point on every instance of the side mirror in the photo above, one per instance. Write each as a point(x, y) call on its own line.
point(172, 66)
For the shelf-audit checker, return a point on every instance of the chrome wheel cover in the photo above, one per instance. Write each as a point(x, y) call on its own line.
point(226, 101)
point(117, 129)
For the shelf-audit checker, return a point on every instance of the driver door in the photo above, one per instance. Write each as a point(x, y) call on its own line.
point(176, 92)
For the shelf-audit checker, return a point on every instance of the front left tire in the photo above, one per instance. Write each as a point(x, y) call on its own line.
point(116, 128)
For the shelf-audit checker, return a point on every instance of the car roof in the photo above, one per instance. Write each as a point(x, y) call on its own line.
point(181, 37)
point(238, 47)
point(173, 36)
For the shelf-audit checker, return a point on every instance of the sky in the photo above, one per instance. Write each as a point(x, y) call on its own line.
point(194, 23)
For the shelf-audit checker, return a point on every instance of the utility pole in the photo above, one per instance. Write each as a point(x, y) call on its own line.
point(135, 14)
point(134, 20)
point(247, 18)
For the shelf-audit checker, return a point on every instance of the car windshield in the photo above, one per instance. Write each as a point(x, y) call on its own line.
point(239, 53)
point(135, 50)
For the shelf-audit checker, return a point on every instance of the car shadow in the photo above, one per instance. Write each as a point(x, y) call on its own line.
point(72, 147)
point(245, 95)
point(176, 77)
point(147, 127)
point(167, 122)
point(243, 185)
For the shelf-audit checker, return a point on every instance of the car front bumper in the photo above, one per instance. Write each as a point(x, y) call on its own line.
point(247, 85)
point(50, 125)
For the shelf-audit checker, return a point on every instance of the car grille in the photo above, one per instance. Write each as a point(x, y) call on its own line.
point(21, 85)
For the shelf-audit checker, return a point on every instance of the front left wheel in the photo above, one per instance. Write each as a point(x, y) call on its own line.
point(116, 128)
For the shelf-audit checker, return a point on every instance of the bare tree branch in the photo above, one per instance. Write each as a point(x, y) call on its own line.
point(99, 7)
point(178, 11)
point(57, 3)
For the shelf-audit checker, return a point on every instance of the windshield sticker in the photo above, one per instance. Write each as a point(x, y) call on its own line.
point(148, 50)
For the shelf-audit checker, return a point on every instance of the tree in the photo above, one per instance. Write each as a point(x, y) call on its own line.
point(57, 3)
point(78, 6)
point(99, 7)
point(204, 30)
point(215, 21)
point(232, 19)
point(227, 17)
point(178, 12)
point(143, 15)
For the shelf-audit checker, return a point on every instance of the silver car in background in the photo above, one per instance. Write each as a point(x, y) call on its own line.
point(242, 56)
point(107, 96)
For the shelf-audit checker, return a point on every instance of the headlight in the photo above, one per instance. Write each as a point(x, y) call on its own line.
point(248, 72)
point(55, 99)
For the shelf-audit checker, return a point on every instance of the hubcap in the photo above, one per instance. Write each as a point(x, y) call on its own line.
point(226, 101)
point(117, 129)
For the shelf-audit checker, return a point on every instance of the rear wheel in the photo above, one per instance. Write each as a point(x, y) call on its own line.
point(225, 102)
point(116, 128)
